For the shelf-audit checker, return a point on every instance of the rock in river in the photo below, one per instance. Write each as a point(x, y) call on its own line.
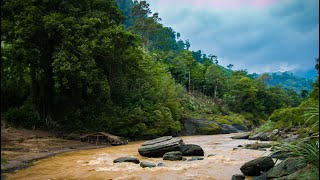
point(161, 165)
point(126, 159)
point(240, 137)
point(147, 164)
point(173, 156)
point(286, 167)
point(257, 146)
point(262, 136)
point(158, 147)
point(279, 155)
point(238, 177)
point(191, 150)
point(196, 159)
point(256, 166)
point(261, 177)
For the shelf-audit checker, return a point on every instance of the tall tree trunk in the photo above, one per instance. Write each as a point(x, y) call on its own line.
point(42, 85)
point(215, 90)
point(189, 78)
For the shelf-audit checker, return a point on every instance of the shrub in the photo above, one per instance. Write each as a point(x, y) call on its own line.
point(268, 126)
point(231, 119)
point(23, 116)
point(211, 129)
point(312, 115)
point(4, 161)
point(287, 117)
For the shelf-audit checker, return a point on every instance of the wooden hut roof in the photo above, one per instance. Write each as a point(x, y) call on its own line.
point(104, 134)
point(96, 133)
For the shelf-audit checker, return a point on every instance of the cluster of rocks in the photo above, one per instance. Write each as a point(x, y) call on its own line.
point(254, 146)
point(136, 161)
point(285, 134)
point(167, 147)
point(160, 146)
point(264, 168)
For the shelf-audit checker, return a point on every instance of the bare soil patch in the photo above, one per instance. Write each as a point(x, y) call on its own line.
point(19, 146)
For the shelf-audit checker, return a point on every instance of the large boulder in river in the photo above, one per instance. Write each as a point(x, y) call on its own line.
point(256, 166)
point(238, 177)
point(261, 177)
point(173, 156)
point(209, 127)
point(127, 159)
point(279, 155)
point(245, 136)
point(226, 129)
point(158, 147)
point(191, 150)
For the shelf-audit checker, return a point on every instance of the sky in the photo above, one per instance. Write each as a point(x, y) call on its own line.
point(257, 35)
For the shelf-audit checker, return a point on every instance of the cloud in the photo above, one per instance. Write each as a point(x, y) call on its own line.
point(257, 35)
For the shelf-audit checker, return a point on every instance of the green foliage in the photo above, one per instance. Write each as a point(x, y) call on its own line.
point(191, 105)
point(267, 127)
point(231, 119)
point(306, 114)
point(308, 150)
point(15, 80)
point(4, 161)
point(287, 117)
point(85, 60)
point(84, 71)
point(126, 6)
point(289, 81)
point(211, 129)
point(312, 117)
point(308, 173)
point(23, 116)
point(214, 78)
point(239, 90)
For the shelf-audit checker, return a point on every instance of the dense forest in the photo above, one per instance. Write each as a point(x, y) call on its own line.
point(101, 65)
point(289, 81)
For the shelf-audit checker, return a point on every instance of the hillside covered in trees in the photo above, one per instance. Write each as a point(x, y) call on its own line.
point(288, 80)
point(104, 65)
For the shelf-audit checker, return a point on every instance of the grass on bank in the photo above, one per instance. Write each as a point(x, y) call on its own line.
point(305, 149)
point(4, 161)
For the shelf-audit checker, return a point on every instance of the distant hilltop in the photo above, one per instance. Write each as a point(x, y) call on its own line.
point(292, 80)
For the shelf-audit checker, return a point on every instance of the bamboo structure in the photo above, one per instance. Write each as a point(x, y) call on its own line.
point(99, 138)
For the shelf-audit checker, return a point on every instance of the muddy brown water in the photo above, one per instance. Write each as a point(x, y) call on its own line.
point(98, 163)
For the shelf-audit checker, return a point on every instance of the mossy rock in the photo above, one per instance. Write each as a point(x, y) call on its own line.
point(211, 129)
point(286, 167)
point(257, 146)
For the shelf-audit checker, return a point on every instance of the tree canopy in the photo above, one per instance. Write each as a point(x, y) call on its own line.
point(105, 65)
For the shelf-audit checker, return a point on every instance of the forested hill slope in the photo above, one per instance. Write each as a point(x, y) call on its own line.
point(290, 81)
point(102, 65)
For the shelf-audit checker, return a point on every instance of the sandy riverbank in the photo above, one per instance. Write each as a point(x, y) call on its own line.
point(21, 147)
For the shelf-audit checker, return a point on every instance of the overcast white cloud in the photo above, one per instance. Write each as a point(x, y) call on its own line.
point(257, 35)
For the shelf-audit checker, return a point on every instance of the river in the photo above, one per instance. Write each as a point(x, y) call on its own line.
point(98, 163)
